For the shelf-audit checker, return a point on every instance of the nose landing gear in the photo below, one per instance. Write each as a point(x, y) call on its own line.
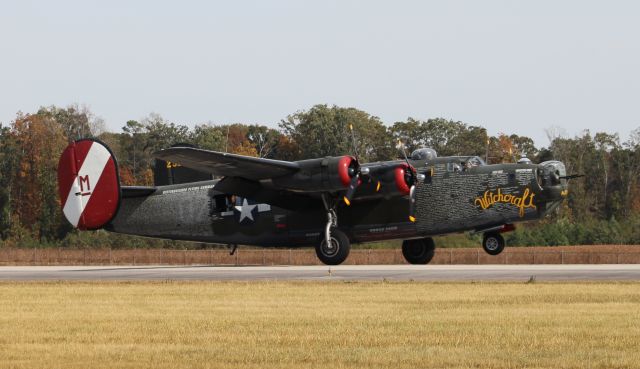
point(493, 243)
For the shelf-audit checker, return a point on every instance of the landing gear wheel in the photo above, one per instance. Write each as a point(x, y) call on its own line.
point(493, 243)
point(419, 251)
point(337, 251)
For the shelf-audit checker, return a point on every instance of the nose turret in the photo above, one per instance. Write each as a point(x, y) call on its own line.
point(552, 177)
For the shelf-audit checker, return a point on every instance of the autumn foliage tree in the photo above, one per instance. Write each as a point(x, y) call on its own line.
point(39, 139)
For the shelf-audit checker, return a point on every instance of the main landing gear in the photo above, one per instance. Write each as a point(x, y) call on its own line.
point(333, 246)
point(335, 251)
point(419, 251)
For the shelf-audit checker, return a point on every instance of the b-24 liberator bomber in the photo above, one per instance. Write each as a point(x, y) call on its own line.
point(328, 203)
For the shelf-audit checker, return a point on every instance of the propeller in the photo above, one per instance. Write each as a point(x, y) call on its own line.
point(353, 141)
point(412, 204)
point(353, 185)
point(355, 171)
point(410, 180)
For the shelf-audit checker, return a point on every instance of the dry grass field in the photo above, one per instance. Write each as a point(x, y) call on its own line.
point(319, 325)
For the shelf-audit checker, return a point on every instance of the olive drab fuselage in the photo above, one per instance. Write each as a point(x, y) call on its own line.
point(457, 194)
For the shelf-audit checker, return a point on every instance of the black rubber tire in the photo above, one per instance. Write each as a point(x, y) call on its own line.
point(418, 251)
point(335, 256)
point(493, 243)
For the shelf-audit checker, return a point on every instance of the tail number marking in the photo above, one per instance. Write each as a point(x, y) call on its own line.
point(81, 181)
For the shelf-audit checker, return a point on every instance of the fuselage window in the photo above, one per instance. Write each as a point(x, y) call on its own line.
point(224, 202)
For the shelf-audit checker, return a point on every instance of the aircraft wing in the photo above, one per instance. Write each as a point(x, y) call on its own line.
point(228, 165)
point(300, 183)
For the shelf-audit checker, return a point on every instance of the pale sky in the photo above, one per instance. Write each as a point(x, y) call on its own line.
point(511, 66)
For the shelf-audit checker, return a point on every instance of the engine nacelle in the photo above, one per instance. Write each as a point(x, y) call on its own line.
point(394, 179)
point(323, 174)
point(403, 175)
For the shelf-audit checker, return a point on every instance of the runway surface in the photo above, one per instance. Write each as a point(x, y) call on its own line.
point(591, 272)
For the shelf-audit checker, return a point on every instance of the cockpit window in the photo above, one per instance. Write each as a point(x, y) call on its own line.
point(474, 161)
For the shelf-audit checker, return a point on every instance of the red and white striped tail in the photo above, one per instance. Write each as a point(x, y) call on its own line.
point(88, 184)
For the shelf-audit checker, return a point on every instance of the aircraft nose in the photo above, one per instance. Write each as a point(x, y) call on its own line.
point(552, 179)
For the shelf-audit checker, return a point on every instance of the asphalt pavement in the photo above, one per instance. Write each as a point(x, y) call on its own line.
point(588, 272)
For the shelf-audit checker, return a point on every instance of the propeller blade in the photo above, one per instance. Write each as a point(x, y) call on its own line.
point(352, 189)
point(404, 152)
point(353, 141)
point(412, 204)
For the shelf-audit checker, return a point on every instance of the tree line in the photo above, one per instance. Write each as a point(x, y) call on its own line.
point(602, 207)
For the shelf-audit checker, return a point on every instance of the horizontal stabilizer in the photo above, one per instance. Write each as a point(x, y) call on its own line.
point(137, 191)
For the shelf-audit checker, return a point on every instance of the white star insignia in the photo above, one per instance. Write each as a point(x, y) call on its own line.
point(246, 210)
